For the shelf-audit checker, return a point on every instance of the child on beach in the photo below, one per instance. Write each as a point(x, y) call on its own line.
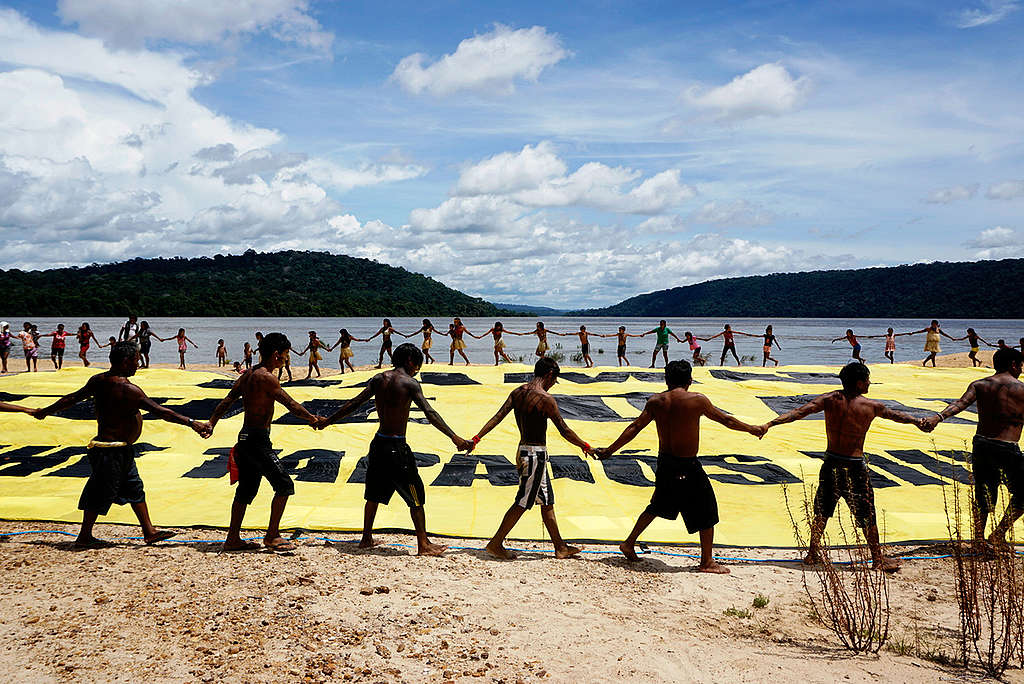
point(345, 343)
point(428, 330)
point(57, 348)
point(973, 338)
point(29, 347)
point(728, 343)
point(533, 408)
point(390, 465)
point(143, 339)
point(496, 331)
point(314, 346)
point(386, 331)
point(238, 367)
point(247, 355)
point(680, 484)
point(84, 336)
point(694, 347)
point(585, 347)
point(769, 339)
point(620, 349)
point(5, 344)
point(852, 339)
point(456, 330)
point(931, 341)
point(111, 341)
point(253, 454)
point(222, 353)
point(183, 341)
point(542, 339)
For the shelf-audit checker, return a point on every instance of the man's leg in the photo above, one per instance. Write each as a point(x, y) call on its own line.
point(654, 357)
point(813, 556)
point(738, 362)
point(272, 539)
point(707, 561)
point(627, 547)
point(423, 544)
point(234, 540)
point(463, 355)
point(562, 550)
point(85, 537)
point(369, 513)
point(495, 547)
point(878, 557)
point(725, 350)
point(149, 532)
point(998, 536)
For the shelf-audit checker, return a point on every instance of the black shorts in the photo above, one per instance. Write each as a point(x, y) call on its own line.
point(620, 350)
point(682, 487)
point(534, 481)
point(255, 459)
point(850, 479)
point(57, 351)
point(390, 468)
point(114, 479)
point(145, 346)
point(585, 348)
point(996, 461)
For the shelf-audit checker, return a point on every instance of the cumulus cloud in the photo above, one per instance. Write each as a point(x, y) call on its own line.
point(989, 12)
point(952, 194)
point(489, 62)
point(1006, 190)
point(735, 213)
point(997, 243)
point(767, 90)
point(133, 23)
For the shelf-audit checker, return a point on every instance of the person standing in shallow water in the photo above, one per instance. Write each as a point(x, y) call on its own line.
point(385, 333)
point(496, 331)
point(681, 487)
point(729, 343)
point(769, 340)
point(852, 339)
point(661, 332)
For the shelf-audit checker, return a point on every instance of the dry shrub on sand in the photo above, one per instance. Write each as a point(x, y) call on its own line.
point(848, 597)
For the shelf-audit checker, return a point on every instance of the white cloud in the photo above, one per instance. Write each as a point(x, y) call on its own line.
point(489, 62)
point(767, 90)
point(133, 23)
point(952, 194)
point(997, 243)
point(990, 12)
point(738, 212)
point(511, 171)
point(1006, 190)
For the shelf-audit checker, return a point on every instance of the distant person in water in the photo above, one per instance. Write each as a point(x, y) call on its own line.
point(852, 339)
point(114, 478)
point(5, 345)
point(222, 354)
point(769, 340)
point(385, 333)
point(85, 339)
point(661, 333)
point(344, 343)
point(533, 408)
point(694, 347)
point(931, 341)
point(585, 347)
point(681, 487)
point(390, 465)
point(457, 330)
point(496, 331)
point(315, 357)
point(428, 330)
point(247, 355)
point(729, 343)
point(57, 348)
point(29, 347)
point(183, 341)
point(542, 339)
point(974, 339)
point(620, 349)
point(143, 339)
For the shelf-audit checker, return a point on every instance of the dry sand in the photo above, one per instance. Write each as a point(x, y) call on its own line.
point(183, 612)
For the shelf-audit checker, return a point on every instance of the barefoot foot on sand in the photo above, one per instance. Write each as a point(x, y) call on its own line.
point(90, 542)
point(629, 552)
point(499, 551)
point(278, 544)
point(159, 536)
point(886, 565)
point(714, 568)
point(431, 549)
point(812, 558)
point(240, 545)
point(369, 543)
point(566, 552)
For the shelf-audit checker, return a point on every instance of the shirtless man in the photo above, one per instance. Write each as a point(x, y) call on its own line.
point(390, 465)
point(996, 454)
point(729, 343)
point(845, 473)
point(533, 407)
point(253, 454)
point(620, 350)
point(662, 332)
point(112, 453)
point(680, 484)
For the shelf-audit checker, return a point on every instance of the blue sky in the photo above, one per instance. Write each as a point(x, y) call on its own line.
point(568, 154)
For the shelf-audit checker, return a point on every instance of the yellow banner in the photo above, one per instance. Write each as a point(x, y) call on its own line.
point(43, 468)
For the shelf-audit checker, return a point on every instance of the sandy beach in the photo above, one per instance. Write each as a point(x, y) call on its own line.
point(183, 612)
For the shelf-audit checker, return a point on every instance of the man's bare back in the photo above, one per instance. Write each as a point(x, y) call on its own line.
point(1000, 406)
point(117, 402)
point(847, 421)
point(532, 406)
point(393, 393)
point(677, 413)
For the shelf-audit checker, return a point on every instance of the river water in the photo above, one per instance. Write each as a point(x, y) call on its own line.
point(803, 340)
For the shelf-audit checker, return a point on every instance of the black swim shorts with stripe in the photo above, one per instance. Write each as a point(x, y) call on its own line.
point(390, 468)
point(682, 487)
point(534, 479)
point(842, 477)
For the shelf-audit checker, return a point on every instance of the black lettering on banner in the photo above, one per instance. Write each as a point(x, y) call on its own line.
point(625, 469)
point(198, 409)
point(587, 407)
point(583, 379)
point(878, 480)
point(944, 469)
point(322, 465)
point(958, 455)
point(758, 467)
point(571, 467)
point(358, 475)
point(324, 407)
point(214, 467)
point(26, 460)
point(460, 471)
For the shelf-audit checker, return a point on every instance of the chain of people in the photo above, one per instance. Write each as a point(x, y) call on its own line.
point(681, 487)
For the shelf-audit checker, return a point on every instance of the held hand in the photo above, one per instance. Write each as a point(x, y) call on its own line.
point(202, 429)
point(758, 430)
point(928, 424)
point(600, 453)
point(321, 422)
point(463, 444)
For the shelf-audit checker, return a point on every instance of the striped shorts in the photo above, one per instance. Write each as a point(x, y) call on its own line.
point(534, 480)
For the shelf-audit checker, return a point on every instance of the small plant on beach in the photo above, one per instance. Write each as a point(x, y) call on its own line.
point(600, 350)
point(850, 598)
point(989, 585)
point(577, 357)
point(760, 601)
point(557, 356)
point(732, 611)
point(748, 359)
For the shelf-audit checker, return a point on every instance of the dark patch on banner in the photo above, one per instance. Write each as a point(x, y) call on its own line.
point(311, 382)
point(322, 465)
point(81, 467)
point(814, 378)
point(740, 376)
point(198, 409)
point(588, 407)
point(958, 455)
point(758, 467)
point(783, 405)
point(460, 471)
point(7, 396)
point(446, 379)
point(26, 460)
point(216, 466)
point(637, 400)
point(325, 407)
point(86, 410)
point(878, 480)
point(217, 384)
point(571, 467)
point(625, 469)
point(518, 378)
point(584, 379)
point(944, 469)
point(358, 475)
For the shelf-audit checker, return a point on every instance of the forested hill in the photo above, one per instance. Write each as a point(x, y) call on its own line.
point(982, 289)
point(277, 284)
